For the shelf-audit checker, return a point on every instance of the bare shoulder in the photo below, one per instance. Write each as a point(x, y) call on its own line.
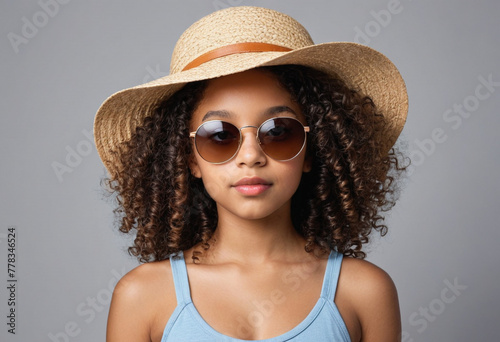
point(142, 302)
point(139, 283)
point(370, 300)
point(366, 278)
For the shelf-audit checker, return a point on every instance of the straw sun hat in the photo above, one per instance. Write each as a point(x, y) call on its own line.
point(236, 39)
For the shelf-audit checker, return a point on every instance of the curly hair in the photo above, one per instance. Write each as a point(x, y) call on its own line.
point(337, 205)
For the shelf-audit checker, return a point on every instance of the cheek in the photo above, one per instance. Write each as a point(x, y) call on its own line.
point(213, 179)
point(292, 173)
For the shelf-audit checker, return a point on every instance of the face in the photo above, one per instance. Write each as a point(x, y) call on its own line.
point(251, 185)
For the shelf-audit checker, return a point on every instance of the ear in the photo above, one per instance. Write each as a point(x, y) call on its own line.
point(307, 164)
point(193, 167)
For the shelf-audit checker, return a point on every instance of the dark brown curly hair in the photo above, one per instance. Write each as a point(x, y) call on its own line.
point(337, 205)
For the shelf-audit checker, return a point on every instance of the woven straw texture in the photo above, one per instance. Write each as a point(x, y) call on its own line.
point(361, 67)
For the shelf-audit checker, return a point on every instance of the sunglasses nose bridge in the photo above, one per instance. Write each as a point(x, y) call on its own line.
point(256, 135)
point(248, 126)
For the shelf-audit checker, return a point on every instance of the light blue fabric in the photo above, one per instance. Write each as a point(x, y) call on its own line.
point(323, 323)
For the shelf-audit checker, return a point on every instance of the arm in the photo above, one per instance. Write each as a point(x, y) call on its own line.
point(128, 319)
point(373, 299)
point(381, 319)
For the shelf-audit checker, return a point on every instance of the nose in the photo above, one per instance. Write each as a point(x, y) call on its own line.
point(250, 153)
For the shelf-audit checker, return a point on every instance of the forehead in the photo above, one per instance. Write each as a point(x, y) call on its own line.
point(245, 96)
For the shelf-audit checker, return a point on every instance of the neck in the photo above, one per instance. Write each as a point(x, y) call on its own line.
point(255, 241)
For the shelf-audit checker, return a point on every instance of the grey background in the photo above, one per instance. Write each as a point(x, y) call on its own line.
point(444, 229)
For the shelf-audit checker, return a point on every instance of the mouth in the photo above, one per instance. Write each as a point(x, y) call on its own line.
point(252, 186)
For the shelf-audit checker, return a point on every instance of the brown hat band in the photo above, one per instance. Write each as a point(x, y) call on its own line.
point(232, 49)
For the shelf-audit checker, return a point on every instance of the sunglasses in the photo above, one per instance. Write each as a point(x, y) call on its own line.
point(280, 138)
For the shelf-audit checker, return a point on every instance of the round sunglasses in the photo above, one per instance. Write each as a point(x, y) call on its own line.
point(280, 138)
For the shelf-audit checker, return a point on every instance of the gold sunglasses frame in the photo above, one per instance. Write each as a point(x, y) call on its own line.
point(306, 130)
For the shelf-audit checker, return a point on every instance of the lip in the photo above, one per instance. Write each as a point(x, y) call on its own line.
point(252, 181)
point(252, 186)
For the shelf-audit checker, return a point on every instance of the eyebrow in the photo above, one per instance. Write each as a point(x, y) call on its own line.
point(268, 112)
point(279, 109)
point(217, 113)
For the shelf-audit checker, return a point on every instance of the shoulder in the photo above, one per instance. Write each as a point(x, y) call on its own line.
point(138, 283)
point(366, 278)
point(369, 297)
point(142, 300)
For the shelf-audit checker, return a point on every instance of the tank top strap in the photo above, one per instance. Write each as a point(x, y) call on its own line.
point(331, 277)
point(181, 281)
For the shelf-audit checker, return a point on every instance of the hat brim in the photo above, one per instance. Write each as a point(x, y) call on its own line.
point(360, 67)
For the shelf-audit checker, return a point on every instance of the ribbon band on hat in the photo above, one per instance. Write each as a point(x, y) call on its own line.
point(232, 49)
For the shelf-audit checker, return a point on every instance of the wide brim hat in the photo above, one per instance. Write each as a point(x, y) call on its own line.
point(236, 39)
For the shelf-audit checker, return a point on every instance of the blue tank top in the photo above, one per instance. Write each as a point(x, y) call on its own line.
point(323, 323)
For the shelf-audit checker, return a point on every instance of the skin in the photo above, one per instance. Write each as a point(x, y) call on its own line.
point(256, 256)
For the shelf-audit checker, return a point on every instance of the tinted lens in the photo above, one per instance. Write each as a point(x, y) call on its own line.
point(282, 138)
point(217, 141)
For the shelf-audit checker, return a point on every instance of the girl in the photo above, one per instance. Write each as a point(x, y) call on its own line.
point(253, 175)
